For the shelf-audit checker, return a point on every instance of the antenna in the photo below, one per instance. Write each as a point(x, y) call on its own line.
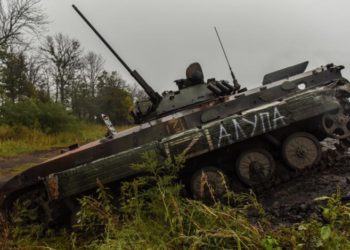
point(235, 82)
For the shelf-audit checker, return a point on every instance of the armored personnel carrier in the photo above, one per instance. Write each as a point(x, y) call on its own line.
point(245, 136)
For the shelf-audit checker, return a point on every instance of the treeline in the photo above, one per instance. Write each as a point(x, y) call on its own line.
point(50, 79)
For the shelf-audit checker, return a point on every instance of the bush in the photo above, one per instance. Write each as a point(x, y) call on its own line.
point(47, 117)
point(24, 113)
point(54, 118)
point(152, 214)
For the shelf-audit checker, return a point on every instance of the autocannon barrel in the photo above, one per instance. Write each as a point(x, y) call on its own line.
point(154, 96)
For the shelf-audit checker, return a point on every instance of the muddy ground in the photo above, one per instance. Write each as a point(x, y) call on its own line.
point(289, 202)
point(293, 201)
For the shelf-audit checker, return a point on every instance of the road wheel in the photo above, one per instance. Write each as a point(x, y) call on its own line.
point(32, 207)
point(337, 123)
point(255, 167)
point(209, 185)
point(301, 150)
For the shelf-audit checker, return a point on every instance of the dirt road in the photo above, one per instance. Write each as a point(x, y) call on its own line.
point(12, 166)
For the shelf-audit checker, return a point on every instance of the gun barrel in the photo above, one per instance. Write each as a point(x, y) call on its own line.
point(154, 96)
point(102, 38)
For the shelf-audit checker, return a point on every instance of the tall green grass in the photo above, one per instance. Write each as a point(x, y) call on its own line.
point(152, 213)
point(19, 140)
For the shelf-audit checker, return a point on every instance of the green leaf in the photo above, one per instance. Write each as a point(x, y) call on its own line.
point(326, 214)
point(322, 198)
point(326, 232)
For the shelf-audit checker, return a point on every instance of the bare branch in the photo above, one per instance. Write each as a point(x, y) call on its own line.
point(19, 18)
point(92, 69)
point(63, 55)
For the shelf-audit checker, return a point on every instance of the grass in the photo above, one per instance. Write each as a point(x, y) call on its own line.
point(15, 141)
point(151, 213)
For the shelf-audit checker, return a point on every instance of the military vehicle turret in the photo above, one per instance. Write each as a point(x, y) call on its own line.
point(246, 136)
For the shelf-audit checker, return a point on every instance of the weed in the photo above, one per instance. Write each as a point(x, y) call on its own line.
point(151, 213)
point(4, 232)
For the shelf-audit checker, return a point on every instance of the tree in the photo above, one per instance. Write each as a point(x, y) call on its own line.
point(2, 84)
point(18, 20)
point(92, 70)
point(14, 77)
point(113, 98)
point(116, 103)
point(64, 57)
point(20, 17)
point(35, 67)
point(112, 79)
point(137, 92)
point(84, 90)
point(82, 102)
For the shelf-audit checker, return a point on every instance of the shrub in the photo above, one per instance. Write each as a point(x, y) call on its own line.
point(47, 117)
point(23, 113)
point(54, 118)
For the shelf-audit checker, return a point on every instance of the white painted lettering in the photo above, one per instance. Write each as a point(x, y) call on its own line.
point(267, 120)
point(254, 124)
point(278, 117)
point(238, 130)
point(223, 135)
point(210, 141)
point(193, 142)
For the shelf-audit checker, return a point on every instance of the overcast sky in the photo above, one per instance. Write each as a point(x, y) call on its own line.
point(159, 38)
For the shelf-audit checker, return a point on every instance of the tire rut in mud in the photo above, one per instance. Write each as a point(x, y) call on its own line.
point(293, 201)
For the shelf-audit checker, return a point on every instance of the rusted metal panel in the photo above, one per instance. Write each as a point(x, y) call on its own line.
point(175, 126)
point(52, 186)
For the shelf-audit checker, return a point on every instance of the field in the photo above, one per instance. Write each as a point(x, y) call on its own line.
point(15, 141)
